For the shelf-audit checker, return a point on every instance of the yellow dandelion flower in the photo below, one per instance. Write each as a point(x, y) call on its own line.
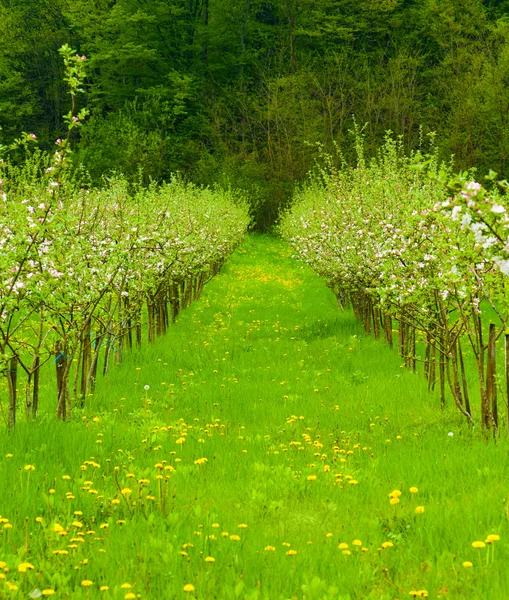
point(87, 583)
point(104, 588)
point(394, 500)
point(189, 587)
point(270, 549)
point(129, 596)
point(419, 510)
point(478, 544)
point(357, 543)
point(395, 494)
point(29, 468)
point(467, 564)
point(311, 477)
point(414, 490)
point(126, 586)
point(210, 559)
point(47, 592)
point(235, 538)
point(493, 537)
point(386, 545)
point(242, 526)
point(291, 553)
point(343, 546)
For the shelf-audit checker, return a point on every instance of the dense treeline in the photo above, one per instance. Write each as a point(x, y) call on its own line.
point(233, 89)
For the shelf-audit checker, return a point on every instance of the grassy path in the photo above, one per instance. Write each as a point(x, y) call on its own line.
point(258, 464)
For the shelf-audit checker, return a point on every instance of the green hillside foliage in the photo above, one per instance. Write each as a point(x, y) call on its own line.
point(241, 91)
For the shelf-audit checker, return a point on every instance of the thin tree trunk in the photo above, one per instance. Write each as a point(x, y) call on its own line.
point(35, 393)
point(464, 379)
point(12, 376)
point(376, 322)
point(60, 361)
point(442, 377)
point(491, 377)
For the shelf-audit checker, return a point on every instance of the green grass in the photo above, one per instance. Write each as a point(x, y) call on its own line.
point(271, 383)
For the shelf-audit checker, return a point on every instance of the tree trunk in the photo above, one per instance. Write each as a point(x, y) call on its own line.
point(35, 393)
point(491, 377)
point(12, 375)
point(60, 361)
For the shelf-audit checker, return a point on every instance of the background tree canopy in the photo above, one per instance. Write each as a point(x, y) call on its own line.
point(241, 91)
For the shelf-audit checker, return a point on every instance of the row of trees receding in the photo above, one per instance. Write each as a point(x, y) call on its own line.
point(422, 253)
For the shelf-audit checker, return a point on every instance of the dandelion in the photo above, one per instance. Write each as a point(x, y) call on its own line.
point(414, 490)
point(270, 549)
point(311, 477)
point(87, 583)
point(467, 564)
point(129, 596)
point(386, 545)
point(394, 501)
point(189, 587)
point(146, 388)
point(29, 468)
point(47, 592)
point(493, 537)
point(291, 553)
point(419, 510)
point(478, 544)
point(395, 494)
point(343, 546)
point(126, 586)
point(104, 588)
point(210, 559)
point(357, 543)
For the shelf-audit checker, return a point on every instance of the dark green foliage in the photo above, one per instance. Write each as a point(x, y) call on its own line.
point(241, 91)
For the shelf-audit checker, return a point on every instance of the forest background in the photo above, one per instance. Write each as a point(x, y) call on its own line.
point(242, 92)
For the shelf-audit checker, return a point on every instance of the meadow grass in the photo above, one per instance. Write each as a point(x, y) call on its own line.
point(259, 463)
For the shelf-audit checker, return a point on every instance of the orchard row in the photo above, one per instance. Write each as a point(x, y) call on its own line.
point(401, 238)
point(82, 269)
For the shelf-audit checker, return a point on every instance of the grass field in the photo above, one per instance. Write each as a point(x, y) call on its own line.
point(259, 463)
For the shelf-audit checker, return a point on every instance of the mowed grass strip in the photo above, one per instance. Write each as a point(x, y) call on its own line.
point(265, 448)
